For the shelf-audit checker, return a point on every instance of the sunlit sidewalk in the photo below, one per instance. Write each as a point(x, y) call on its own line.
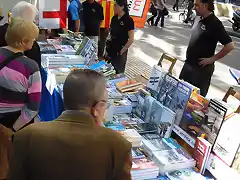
point(151, 42)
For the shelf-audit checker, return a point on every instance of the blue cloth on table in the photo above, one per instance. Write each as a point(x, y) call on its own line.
point(52, 105)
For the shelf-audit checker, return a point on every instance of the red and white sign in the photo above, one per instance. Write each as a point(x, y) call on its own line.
point(53, 14)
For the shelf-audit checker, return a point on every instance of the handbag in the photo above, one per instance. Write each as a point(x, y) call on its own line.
point(165, 11)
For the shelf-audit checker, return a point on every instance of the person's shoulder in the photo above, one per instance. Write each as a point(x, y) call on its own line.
point(97, 4)
point(29, 63)
point(114, 138)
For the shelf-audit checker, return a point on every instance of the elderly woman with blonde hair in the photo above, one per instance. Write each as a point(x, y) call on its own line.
point(20, 85)
point(28, 12)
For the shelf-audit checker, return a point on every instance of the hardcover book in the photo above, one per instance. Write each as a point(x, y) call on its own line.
point(155, 81)
point(46, 48)
point(141, 96)
point(194, 114)
point(228, 140)
point(130, 85)
point(185, 174)
point(213, 121)
point(137, 153)
point(201, 154)
point(163, 118)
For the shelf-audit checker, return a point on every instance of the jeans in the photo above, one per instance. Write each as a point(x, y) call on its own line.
point(175, 6)
point(119, 62)
point(160, 16)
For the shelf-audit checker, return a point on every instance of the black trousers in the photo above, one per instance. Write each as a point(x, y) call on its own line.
point(175, 6)
point(102, 41)
point(8, 119)
point(119, 62)
point(198, 76)
point(160, 16)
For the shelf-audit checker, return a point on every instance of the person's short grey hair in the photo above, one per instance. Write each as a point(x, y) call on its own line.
point(83, 88)
point(24, 10)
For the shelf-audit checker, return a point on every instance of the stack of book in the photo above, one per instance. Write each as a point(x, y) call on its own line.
point(173, 159)
point(143, 169)
point(133, 136)
point(185, 174)
point(46, 48)
point(61, 60)
point(64, 49)
point(130, 85)
point(104, 68)
point(162, 144)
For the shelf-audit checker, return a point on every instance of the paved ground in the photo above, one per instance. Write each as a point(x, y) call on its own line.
point(151, 42)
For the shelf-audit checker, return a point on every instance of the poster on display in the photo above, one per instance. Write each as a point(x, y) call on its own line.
point(138, 10)
point(53, 14)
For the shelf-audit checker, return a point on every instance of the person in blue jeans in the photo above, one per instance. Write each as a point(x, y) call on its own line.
point(74, 11)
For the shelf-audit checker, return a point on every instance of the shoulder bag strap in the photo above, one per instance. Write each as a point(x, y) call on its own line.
point(9, 59)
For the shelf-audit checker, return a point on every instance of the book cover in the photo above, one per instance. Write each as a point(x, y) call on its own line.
point(235, 74)
point(115, 126)
point(160, 144)
point(194, 114)
point(129, 85)
point(163, 118)
point(113, 93)
point(137, 153)
point(172, 156)
point(65, 49)
point(141, 95)
point(213, 121)
point(155, 80)
point(143, 128)
point(151, 136)
point(221, 170)
point(143, 164)
point(175, 96)
point(168, 87)
point(201, 153)
point(228, 140)
point(46, 48)
point(185, 174)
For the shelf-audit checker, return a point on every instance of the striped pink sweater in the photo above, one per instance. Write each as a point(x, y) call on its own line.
point(20, 88)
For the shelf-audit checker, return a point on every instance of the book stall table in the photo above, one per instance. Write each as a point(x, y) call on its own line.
point(154, 114)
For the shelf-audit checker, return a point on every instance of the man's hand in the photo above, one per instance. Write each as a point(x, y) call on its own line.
point(206, 61)
point(122, 51)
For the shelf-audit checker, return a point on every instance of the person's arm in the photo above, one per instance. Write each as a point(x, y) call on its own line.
point(129, 43)
point(101, 16)
point(74, 11)
point(224, 38)
point(18, 167)
point(130, 35)
point(31, 108)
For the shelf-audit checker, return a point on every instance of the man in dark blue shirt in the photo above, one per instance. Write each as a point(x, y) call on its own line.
point(74, 15)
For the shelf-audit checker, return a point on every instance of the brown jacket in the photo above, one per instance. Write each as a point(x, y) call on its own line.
point(71, 148)
point(5, 148)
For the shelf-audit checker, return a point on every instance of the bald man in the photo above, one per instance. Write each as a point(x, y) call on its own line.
point(74, 146)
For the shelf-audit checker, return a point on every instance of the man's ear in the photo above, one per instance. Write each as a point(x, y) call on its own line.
point(95, 111)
